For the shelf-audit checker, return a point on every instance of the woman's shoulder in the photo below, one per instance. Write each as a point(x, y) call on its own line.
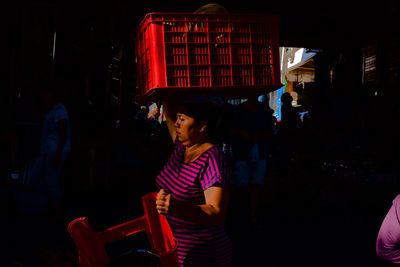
point(218, 166)
point(215, 154)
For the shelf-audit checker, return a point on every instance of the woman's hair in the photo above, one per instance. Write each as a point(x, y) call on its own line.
point(211, 8)
point(204, 111)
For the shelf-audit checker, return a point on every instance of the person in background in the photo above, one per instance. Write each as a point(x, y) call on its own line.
point(251, 129)
point(153, 112)
point(55, 145)
point(194, 185)
point(290, 116)
point(287, 133)
point(142, 113)
point(388, 240)
point(153, 118)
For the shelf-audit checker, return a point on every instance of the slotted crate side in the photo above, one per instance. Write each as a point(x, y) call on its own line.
point(221, 75)
point(176, 54)
point(150, 54)
point(200, 76)
point(142, 65)
point(198, 54)
point(177, 76)
point(209, 50)
point(242, 75)
point(274, 55)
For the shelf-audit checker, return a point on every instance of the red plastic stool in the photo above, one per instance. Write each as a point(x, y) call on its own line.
point(91, 244)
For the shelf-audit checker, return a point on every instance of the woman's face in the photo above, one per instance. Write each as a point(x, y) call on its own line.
point(188, 130)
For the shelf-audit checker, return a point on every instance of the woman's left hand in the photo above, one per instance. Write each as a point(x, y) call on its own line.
point(163, 202)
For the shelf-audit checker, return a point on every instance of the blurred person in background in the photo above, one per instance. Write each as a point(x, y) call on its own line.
point(55, 146)
point(251, 131)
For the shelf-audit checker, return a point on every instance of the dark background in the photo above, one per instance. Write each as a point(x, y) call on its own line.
point(95, 72)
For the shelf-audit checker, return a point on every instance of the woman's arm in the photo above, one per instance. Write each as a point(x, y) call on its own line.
point(212, 213)
point(170, 116)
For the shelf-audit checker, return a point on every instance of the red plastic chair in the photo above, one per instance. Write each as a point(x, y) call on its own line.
point(91, 244)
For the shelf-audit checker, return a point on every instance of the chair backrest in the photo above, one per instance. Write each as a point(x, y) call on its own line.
point(159, 233)
point(91, 244)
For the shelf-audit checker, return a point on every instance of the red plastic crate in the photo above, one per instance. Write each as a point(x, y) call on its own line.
point(224, 54)
point(91, 245)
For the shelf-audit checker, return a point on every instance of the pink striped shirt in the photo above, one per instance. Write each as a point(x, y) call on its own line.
point(198, 245)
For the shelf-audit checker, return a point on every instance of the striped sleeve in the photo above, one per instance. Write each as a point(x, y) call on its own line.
point(215, 172)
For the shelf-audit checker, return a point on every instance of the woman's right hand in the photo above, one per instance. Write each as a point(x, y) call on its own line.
point(163, 202)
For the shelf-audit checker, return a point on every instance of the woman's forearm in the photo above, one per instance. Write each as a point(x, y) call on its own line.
point(205, 214)
point(212, 213)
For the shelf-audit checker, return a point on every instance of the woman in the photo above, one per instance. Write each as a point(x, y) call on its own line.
point(194, 187)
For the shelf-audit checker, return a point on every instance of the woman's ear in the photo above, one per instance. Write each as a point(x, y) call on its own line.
point(203, 127)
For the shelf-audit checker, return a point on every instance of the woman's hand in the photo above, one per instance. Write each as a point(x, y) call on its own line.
point(212, 213)
point(163, 202)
